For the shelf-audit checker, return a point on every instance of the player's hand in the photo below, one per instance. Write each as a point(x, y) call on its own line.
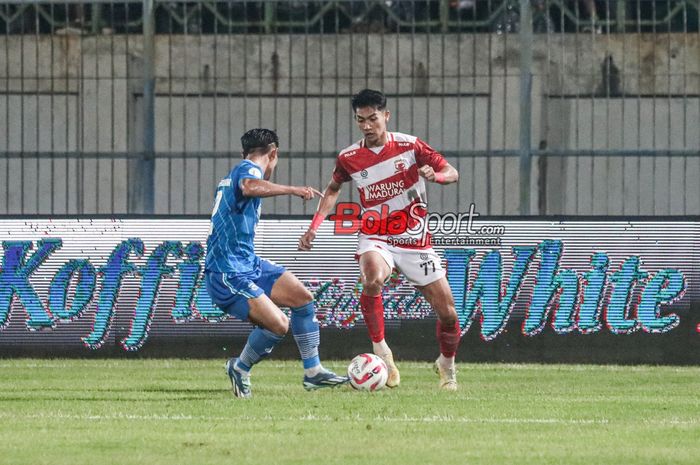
point(427, 172)
point(306, 240)
point(307, 193)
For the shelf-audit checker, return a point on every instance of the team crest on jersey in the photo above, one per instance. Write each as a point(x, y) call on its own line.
point(401, 165)
point(255, 172)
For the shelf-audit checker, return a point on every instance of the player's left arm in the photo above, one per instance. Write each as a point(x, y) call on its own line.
point(432, 165)
point(447, 175)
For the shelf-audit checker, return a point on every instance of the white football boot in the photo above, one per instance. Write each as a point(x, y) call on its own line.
point(448, 376)
point(394, 378)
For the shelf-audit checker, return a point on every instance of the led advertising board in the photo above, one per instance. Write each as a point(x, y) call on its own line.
point(91, 283)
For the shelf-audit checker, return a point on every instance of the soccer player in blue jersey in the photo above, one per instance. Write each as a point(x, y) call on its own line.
point(250, 288)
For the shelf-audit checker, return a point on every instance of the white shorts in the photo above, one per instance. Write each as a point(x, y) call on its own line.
point(420, 266)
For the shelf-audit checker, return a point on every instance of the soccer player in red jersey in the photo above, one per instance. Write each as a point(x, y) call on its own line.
point(390, 170)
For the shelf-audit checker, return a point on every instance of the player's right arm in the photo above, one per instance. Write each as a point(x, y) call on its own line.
point(251, 187)
point(329, 198)
point(325, 206)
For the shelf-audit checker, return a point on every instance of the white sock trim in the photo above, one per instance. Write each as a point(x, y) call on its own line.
point(381, 348)
point(445, 361)
point(313, 371)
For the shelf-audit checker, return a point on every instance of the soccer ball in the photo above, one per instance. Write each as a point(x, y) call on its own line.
point(368, 372)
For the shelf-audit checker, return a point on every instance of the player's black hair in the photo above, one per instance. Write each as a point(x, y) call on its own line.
point(369, 98)
point(258, 138)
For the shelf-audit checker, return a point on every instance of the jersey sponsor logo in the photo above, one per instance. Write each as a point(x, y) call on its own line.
point(364, 174)
point(225, 182)
point(255, 172)
point(384, 190)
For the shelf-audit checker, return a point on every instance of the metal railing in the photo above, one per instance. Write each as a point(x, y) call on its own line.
point(211, 17)
point(103, 111)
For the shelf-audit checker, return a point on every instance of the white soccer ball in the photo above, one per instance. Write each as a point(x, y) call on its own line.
point(368, 372)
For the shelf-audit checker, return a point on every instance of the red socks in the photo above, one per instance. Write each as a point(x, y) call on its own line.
point(448, 337)
point(373, 312)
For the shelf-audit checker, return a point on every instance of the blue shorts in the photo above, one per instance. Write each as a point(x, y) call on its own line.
point(231, 291)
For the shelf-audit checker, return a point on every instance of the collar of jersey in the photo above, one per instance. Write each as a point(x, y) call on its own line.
point(253, 163)
point(389, 140)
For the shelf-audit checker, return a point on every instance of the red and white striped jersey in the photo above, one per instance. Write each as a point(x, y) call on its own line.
point(389, 178)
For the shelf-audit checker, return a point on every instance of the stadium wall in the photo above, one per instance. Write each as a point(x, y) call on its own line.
point(547, 290)
point(82, 95)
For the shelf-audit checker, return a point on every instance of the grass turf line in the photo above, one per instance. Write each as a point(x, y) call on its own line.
point(167, 411)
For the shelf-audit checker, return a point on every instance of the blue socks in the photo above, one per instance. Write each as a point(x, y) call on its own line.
point(260, 344)
point(306, 334)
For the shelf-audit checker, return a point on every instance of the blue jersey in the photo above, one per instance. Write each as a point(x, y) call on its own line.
point(230, 246)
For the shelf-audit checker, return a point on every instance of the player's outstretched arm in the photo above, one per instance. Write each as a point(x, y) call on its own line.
point(261, 188)
point(447, 175)
point(328, 199)
point(325, 206)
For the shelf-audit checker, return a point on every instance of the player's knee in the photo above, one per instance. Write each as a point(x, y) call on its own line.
point(302, 298)
point(449, 316)
point(280, 326)
point(372, 285)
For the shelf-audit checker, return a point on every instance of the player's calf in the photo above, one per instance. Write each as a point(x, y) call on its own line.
point(448, 336)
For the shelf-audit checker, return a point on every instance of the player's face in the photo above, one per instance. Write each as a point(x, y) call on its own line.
point(372, 123)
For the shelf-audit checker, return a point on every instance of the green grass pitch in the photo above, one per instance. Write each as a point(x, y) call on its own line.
point(171, 411)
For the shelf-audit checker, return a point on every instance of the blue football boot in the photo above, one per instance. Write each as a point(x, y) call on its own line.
point(324, 379)
point(240, 382)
